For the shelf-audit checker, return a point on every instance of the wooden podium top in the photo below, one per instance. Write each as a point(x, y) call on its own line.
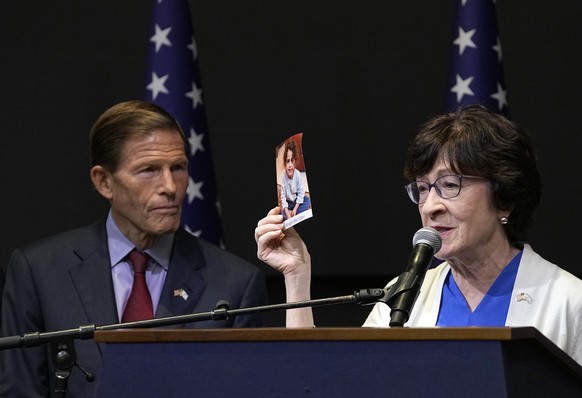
point(315, 334)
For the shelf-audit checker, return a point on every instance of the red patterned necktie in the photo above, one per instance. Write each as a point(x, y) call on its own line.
point(139, 305)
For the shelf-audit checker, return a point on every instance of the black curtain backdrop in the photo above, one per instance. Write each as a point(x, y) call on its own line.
point(355, 77)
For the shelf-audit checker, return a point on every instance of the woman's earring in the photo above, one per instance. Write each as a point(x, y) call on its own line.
point(504, 220)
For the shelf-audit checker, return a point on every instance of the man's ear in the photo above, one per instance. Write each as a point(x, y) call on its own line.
point(102, 181)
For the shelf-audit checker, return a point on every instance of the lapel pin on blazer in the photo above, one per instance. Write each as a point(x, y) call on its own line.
point(181, 293)
point(523, 296)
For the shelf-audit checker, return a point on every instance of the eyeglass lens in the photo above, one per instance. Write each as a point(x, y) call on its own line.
point(447, 187)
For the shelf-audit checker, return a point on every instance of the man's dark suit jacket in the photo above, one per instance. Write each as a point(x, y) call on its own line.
point(65, 281)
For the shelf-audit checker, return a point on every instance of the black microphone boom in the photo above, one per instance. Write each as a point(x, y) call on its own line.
point(426, 243)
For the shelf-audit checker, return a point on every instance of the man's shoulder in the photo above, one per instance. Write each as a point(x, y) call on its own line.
point(212, 255)
point(66, 241)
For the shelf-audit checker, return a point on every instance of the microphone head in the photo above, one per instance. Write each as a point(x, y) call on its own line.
point(428, 236)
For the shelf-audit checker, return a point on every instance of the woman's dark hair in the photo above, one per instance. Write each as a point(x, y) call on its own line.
point(475, 141)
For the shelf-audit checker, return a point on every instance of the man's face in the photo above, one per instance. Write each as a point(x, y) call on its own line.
point(147, 189)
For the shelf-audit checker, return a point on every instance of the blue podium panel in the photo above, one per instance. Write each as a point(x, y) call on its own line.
point(315, 367)
point(303, 368)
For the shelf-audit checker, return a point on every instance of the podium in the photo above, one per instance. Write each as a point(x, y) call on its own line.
point(336, 362)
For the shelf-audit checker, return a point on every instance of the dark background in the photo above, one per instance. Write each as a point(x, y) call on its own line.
point(356, 77)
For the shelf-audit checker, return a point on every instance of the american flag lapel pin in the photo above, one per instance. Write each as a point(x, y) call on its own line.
point(181, 293)
point(523, 296)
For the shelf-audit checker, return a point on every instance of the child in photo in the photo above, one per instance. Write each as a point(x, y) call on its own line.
point(293, 198)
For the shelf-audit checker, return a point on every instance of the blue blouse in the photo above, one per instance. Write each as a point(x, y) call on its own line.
point(491, 311)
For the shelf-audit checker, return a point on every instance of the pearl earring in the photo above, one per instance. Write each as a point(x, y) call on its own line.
point(504, 220)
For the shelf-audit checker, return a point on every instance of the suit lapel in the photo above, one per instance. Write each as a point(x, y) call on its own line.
point(184, 283)
point(92, 276)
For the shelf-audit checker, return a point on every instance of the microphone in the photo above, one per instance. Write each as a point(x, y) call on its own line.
point(426, 243)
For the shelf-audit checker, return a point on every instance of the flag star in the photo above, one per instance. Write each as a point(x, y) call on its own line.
point(192, 47)
point(195, 95)
point(500, 96)
point(195, 142)
point(464, 2)
point(497, 49)
point(462, 87)
point(195, 233)
point(194, 190)
point(158, 85)
point(161, 37)
point(465, 40)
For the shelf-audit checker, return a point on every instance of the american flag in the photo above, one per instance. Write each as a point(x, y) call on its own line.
point(173, 82)
point(475, 70)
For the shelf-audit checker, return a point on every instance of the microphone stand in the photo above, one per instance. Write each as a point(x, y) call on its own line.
point(62, 349)
point(399, 300)
point(64, 357)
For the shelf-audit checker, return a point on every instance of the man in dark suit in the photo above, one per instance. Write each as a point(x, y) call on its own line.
point(1, 290)
point(85, 276)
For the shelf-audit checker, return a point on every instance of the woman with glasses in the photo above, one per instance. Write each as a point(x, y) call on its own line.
point(475, 180)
